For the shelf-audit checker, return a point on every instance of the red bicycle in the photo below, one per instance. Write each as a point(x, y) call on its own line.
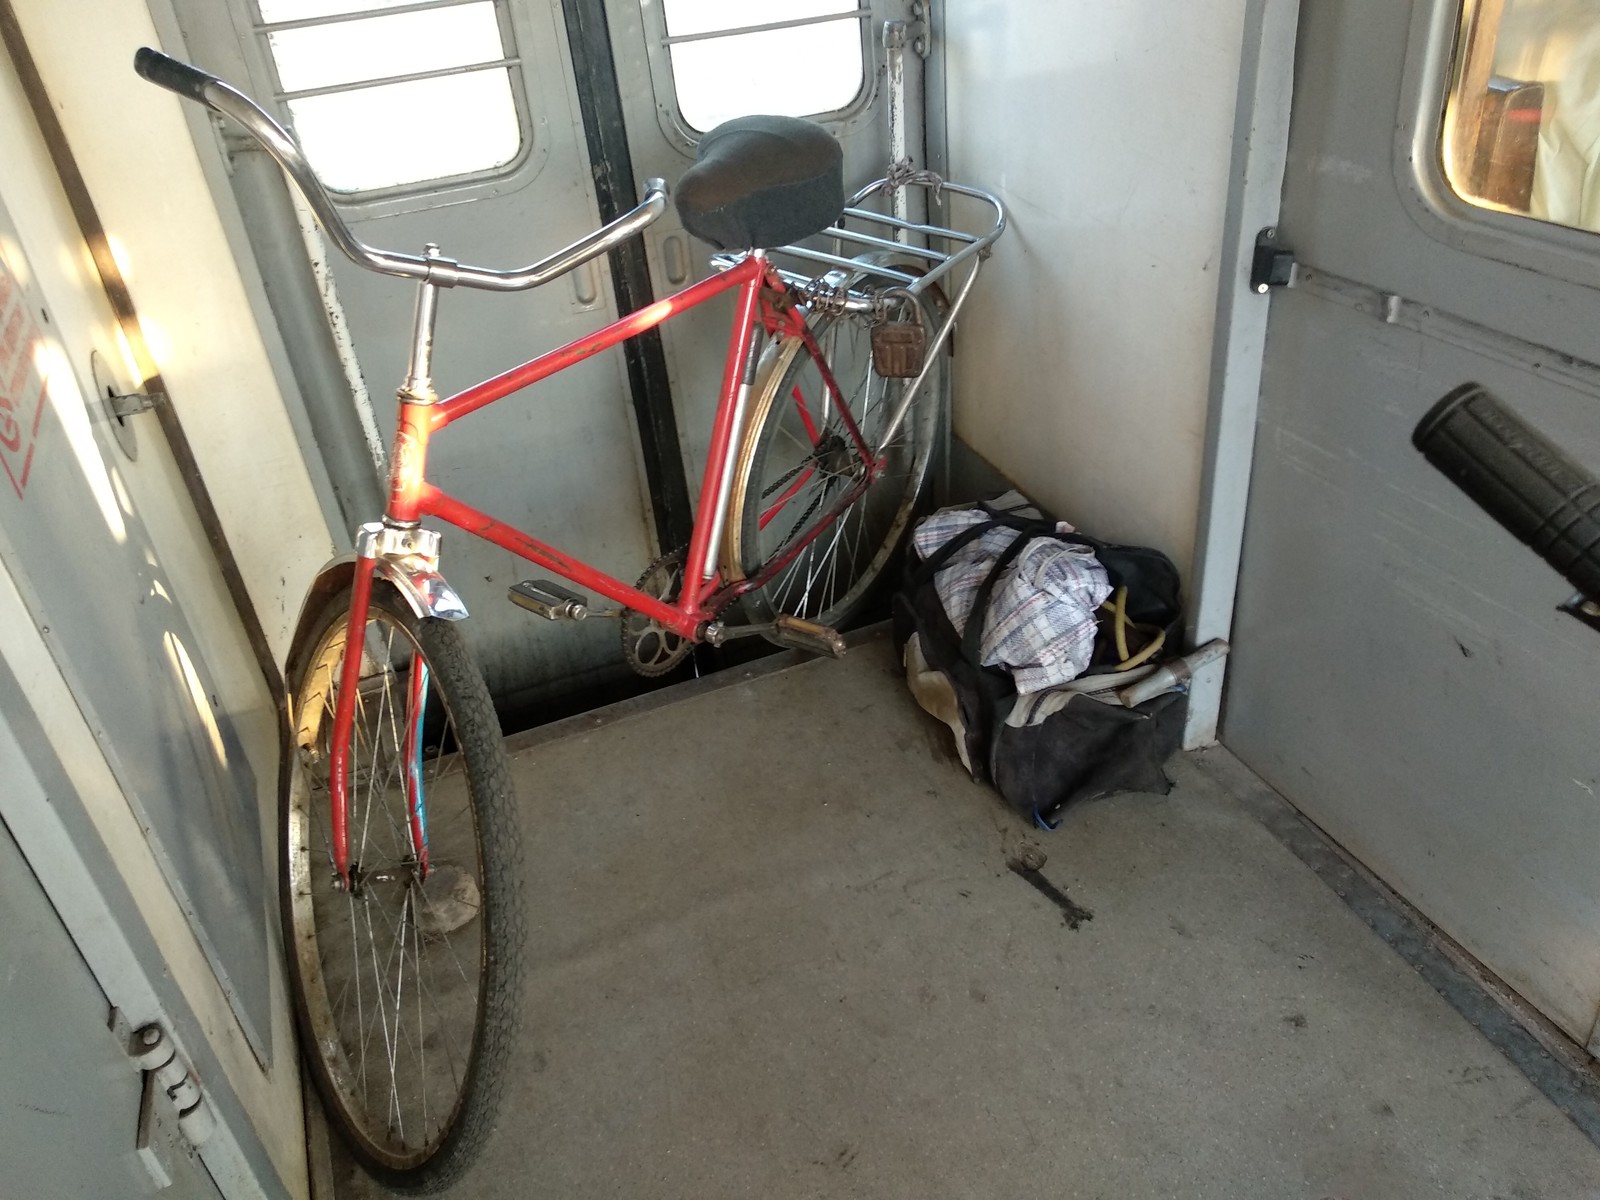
point(400, 846)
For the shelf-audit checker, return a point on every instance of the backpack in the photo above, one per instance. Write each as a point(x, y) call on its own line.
point(1043, 751)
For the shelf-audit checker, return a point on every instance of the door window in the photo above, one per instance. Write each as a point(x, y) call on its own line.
point(1522, 124)
point(796, 58)
point(385, 101)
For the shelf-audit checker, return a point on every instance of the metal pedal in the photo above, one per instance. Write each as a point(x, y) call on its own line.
point(799, 634)
point(549, 599)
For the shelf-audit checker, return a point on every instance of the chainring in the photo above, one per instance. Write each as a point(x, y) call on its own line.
point(649, 648)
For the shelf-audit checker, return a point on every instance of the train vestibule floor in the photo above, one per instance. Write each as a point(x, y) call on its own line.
point(776, 951)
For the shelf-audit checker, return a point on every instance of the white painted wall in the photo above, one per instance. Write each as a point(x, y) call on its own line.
point(1082, 372)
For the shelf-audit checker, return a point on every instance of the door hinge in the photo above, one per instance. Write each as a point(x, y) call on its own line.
point(153, 1049)
point(897, 35)
point(1273, 263)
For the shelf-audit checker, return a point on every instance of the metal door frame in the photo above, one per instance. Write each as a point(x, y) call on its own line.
point(1238, 348)
point(605, 134)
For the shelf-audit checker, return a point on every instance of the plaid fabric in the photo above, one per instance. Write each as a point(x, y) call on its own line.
point(1040, 624)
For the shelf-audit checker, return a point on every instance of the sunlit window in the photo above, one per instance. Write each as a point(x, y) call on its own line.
point(383, 100)
point(796, 58)
point(1522, 128)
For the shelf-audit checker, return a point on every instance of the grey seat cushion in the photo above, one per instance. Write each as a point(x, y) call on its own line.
point(762, 181)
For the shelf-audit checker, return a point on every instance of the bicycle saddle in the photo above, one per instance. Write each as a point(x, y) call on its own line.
point(759, 182)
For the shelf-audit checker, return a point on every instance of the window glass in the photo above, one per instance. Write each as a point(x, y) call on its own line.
point(392, 100)
point(319, 56)
point(1522, 126)
point(804, 70)
point(400, 133)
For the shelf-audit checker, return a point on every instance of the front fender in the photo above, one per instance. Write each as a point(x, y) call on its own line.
point(426, 593)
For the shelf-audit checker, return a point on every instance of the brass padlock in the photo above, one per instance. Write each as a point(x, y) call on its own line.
point(899, 348)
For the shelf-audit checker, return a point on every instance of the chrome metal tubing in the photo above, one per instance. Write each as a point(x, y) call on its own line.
point(839, 233)
point(418, 386)
point(904, 278)
point(851, 301)
point(856, 302)
point(286, 152)
point(976, 246)
point(939, 231)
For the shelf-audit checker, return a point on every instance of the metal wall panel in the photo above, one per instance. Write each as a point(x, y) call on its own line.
point(94, 583)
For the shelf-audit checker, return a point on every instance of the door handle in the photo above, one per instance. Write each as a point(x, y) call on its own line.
point(675, 258)
point(585, 285)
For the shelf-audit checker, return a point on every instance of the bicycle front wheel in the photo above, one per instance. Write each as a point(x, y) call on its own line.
point(405, 982)
point(798, 461)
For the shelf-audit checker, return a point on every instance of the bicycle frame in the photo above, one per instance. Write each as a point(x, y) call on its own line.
point(705, 593)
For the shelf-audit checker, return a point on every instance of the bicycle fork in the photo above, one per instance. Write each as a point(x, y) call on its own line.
point(344, 719)
point(412, 721)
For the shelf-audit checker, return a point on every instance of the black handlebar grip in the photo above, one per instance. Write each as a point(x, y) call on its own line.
point(1519, 477)
point(168, 72)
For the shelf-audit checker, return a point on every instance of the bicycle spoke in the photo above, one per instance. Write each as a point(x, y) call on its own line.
point(399, 1006)
point(807, 455)
point(355, 973)
point(400, 962)
point(416, 954)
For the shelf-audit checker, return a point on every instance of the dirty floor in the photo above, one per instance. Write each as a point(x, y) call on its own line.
point(777, 952)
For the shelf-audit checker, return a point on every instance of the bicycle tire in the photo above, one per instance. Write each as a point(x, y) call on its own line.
point(462, 927)
point(831, 579)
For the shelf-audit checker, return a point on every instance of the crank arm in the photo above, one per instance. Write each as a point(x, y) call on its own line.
point(718, 634)
point(794, 632)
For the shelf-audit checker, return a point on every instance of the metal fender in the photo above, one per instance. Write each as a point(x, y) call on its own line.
point(425, 592)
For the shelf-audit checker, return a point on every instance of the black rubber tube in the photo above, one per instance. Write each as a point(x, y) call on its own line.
point(1519, 477)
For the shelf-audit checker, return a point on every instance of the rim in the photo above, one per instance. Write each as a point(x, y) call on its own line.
point(802, 464)
point(391, 972)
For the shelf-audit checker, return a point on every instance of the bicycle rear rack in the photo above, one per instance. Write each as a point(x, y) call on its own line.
point(858, 283)
point(850, 282)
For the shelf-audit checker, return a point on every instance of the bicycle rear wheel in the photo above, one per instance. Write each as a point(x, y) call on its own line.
point(405, 984)
point(798, 461)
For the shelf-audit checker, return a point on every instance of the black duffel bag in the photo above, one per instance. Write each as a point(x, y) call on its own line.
point(1083, 745)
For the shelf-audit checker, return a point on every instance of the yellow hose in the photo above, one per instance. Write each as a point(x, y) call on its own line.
point(1118, 604)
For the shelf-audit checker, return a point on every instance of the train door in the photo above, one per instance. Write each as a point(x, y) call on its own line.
point(1401, 672)
point(140, 737)
point(501, 130)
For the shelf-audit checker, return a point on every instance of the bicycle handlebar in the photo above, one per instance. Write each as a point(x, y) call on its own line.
point(194, 84)
point(1519, 477)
